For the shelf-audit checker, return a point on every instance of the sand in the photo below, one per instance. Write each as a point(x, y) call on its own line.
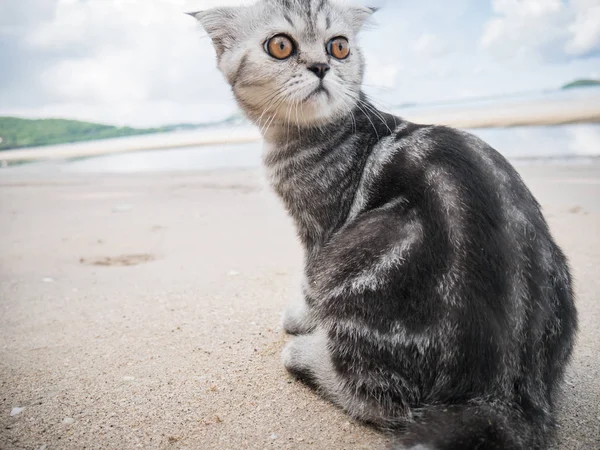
point(143, 311)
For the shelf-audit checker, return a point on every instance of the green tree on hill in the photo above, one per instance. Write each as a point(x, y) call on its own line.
point(19, 133)
point(581, 83)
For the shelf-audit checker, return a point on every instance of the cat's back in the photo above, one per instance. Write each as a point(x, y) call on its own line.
point(468, 216)
point(448, 235)
point(447, 173)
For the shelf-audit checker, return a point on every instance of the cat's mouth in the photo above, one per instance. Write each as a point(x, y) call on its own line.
point(320, 89)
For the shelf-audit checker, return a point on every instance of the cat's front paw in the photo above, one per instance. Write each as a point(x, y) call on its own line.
point(295, 358)
point(297, 320)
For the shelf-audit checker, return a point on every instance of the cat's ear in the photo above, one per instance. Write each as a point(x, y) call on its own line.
point(220, 25)
point(360, 15)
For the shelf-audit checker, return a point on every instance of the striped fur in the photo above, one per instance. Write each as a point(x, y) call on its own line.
point(435, 300)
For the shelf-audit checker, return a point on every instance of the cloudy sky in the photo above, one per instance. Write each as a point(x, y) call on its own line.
point(144, 63)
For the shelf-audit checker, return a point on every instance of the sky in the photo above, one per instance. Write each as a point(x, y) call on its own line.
point(144, 63)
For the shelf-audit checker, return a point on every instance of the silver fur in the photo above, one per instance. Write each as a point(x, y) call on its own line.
point(434, 297)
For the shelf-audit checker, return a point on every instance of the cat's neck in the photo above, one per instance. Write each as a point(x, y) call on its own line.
point(316, 171)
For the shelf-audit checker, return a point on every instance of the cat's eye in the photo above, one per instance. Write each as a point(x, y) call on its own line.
point(280, 47)
point(339, 48)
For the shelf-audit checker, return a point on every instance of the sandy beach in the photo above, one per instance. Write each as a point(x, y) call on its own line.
point(143, 311)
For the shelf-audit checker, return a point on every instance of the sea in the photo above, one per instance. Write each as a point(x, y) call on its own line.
point(558, 144)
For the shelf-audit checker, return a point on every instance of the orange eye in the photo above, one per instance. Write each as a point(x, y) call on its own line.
point(280, 47)
point(339, 48)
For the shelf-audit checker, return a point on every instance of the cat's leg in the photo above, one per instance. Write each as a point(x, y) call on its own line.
point(308, 358)
point(298, 318)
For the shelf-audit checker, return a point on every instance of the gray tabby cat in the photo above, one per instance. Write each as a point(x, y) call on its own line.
point(435, 301)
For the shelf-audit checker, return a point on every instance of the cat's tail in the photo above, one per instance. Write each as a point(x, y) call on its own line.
point(482, 426)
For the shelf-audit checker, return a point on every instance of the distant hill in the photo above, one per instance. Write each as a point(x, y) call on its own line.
point(581, 83)
point(21, 133)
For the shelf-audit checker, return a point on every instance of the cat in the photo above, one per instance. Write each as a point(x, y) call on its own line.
point(435, 301)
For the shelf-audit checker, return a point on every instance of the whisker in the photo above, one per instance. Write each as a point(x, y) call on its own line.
point(369, 119)
point(274, 115)
point(377, 114)
point(297, 121)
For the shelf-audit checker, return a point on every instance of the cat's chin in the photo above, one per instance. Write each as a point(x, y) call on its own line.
point(317, 109)
point(317, 94)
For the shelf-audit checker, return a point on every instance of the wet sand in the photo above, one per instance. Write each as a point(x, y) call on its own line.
point(143, 311)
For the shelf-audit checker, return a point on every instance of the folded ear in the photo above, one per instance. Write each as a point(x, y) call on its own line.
point(220, 24)
point(360, 15)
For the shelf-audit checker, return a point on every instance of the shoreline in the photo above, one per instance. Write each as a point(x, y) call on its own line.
point(537, 113)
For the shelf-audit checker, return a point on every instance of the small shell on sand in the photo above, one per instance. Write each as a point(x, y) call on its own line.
point(16, 411)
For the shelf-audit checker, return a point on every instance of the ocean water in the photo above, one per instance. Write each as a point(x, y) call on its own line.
point(548, 98)
point(558, 144)
point(578, 142)
point(241, 156)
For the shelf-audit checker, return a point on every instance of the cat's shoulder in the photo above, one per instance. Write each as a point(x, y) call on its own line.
point(439, 136)
point(422, 145)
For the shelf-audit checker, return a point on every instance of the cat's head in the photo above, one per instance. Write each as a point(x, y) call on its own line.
point(290, 61)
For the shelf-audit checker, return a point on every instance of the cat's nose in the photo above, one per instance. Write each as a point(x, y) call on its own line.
point(320, 69)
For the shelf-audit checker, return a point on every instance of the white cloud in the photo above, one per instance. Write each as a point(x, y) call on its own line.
point(381, 74)
point(429, 44)
point(525, 28)
point(543, 29)
point(126, 58)
point(585, 29)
